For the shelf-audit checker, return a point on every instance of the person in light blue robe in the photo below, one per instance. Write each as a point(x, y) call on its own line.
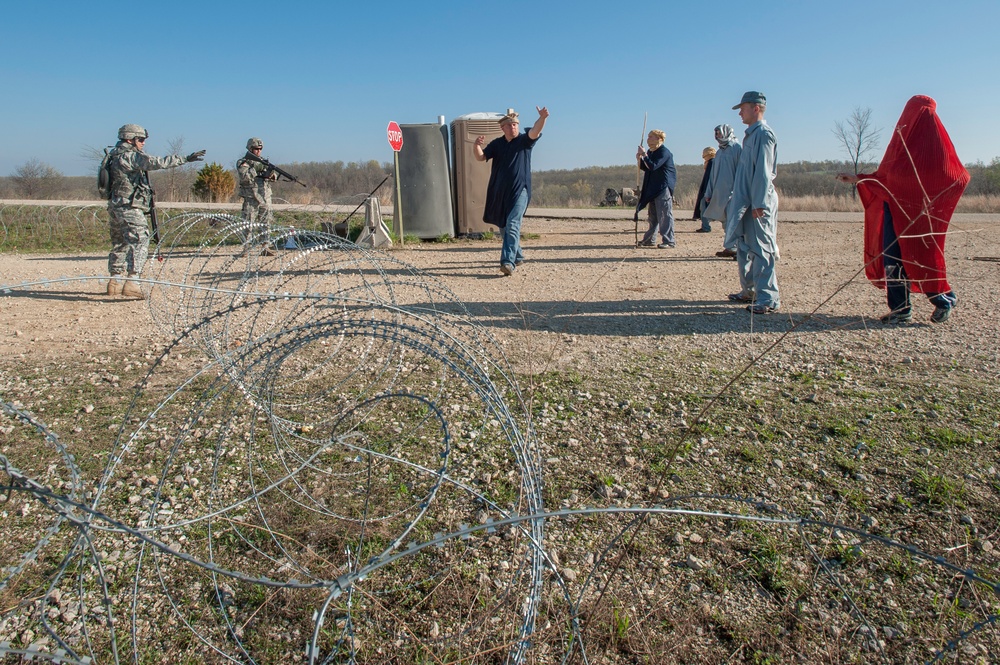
point(719, 191)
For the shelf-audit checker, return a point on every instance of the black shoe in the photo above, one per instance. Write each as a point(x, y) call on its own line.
point(703, 230)
point(900, 317)
point(645, 243)
point(726, 253)
point(941, 314)
point(761, 309)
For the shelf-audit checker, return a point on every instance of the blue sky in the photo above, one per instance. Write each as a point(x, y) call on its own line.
point(319, 81)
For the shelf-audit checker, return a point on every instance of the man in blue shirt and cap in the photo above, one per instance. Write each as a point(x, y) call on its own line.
point(754, 209)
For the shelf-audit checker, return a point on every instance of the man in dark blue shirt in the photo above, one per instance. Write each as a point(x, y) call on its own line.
point(509, 189)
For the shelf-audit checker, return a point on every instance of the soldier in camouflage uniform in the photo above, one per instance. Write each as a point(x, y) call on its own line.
point(131, 197)
point(255, 190)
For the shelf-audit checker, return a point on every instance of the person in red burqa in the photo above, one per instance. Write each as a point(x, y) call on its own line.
point(908, 203)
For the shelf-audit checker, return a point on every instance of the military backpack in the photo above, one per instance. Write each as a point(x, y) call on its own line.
point(104, 176)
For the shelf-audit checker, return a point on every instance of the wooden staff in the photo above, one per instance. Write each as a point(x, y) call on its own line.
point(638, 173)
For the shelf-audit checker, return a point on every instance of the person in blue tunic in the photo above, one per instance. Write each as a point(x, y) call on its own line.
point(753, 209)
point(657, 190)
point(720, 185)
point(509, 188)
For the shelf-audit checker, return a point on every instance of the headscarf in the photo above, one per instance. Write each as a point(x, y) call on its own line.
point(727, 136)
point(921, 179)
point(708, 154)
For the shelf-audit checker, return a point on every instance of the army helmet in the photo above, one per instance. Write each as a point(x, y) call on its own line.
point(255, 143)
point(130, 131)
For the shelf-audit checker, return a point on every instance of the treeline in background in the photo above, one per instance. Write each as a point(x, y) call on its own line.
point(804, 186)
point(801, 185)
point(328, 182)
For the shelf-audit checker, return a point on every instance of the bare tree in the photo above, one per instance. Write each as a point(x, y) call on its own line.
point(992, 176)
point(95, 155)
point(174, 176)
point(35, 179)
point(92, 154)
point(859, 136)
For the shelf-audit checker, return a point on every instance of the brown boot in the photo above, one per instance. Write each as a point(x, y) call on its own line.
point(114, 287)
point(131, 290)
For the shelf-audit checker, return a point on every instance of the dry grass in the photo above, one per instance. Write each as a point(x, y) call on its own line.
point(983, 203)
point(970, 203)
point(819, 203)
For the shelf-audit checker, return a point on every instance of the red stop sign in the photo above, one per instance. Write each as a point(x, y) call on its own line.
point(395, 135)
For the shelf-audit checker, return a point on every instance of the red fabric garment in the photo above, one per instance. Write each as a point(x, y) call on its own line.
point(922, 179)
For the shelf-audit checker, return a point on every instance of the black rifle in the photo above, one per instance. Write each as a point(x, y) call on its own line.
point(152, 215)
point(271, 168)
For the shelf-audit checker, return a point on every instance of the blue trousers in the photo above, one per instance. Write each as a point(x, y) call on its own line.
point(760, 263)
point(661, 217)
point(510, 253)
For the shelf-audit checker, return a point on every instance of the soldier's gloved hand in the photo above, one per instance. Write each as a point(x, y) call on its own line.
point(196, 156)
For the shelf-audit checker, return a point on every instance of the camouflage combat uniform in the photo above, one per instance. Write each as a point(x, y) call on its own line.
point(255, 190)
point(130, 200)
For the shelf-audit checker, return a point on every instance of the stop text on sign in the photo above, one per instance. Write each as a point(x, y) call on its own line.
point(395, 136)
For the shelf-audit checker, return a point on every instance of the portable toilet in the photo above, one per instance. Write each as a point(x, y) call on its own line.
point(470, 176)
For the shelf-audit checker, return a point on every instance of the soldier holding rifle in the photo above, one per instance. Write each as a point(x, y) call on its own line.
point(256, 175)
point(255, 190)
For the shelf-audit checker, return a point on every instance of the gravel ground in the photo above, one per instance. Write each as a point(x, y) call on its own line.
point(585, 280)
point(645, 384)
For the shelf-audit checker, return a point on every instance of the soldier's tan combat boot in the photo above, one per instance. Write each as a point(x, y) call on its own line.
point(114, 287)
point(131, 290)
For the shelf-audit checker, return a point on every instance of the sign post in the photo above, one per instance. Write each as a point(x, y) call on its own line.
point(395, 136)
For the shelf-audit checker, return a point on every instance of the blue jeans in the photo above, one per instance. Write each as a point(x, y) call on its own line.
point(510, 253)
